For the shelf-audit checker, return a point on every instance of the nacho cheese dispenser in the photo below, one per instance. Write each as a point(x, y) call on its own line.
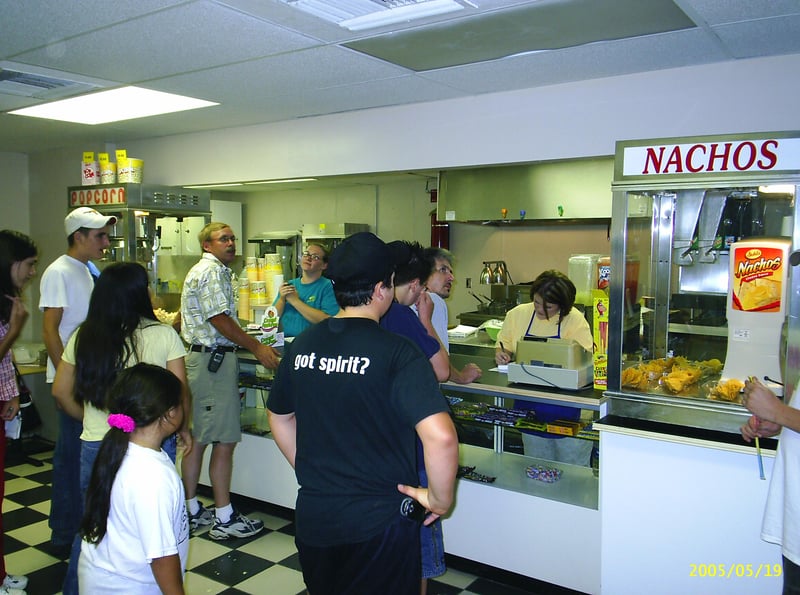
point(756, 309)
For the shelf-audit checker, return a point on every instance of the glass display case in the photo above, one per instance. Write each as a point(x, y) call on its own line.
point(708, 224)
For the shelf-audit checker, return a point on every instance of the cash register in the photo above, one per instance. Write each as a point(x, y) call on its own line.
point(556, 363)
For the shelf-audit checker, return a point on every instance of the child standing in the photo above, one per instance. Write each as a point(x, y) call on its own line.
point(135, 530)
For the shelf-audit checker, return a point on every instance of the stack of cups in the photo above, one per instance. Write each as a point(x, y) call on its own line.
point(258, 293)
point(251, 266)
point(273, 268)
point(244, 298)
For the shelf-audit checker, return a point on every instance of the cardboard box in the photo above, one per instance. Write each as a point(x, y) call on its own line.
point(600, 303)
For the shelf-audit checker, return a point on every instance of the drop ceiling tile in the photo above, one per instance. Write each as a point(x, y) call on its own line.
point(26, 25)
point(766, 37)
point(194, 36)
point(717, 12)
point(532, 27)
point(301, 71)
point(396, 91)
point(591, 61)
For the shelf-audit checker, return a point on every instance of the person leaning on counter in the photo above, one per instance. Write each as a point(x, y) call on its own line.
point(550, 314)
point(308, 299)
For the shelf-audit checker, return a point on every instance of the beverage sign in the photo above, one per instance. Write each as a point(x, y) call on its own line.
point(758, 274)
point(94, 197)
point(730, 156)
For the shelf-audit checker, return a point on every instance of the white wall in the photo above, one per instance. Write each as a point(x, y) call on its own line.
point(572, 120)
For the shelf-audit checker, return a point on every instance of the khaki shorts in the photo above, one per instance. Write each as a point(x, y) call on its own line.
point(215, 399)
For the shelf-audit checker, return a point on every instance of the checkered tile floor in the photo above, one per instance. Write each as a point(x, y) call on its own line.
point(266, 563)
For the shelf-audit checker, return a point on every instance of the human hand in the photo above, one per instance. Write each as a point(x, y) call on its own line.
point(758, 428)
point(18, 314)
point(287, 290)
point(425, 306)
point(421, 496)
point(761, 401)
point(9, 409)
point(268, 356)
point(501, 357)
point(470, 373)
point(185, 440)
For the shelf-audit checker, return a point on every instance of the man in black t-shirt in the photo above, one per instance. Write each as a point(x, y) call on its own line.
point(346, 406)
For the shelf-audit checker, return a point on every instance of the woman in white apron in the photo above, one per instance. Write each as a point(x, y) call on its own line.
point(550, 314)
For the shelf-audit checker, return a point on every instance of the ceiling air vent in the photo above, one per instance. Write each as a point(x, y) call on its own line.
point(39, 86)
point(367, 14)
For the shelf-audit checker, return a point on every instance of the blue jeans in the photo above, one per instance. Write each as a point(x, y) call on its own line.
point(431, 538)
point(89, 450)
point(64, 518)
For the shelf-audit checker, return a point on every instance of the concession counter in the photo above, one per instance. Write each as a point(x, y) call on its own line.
point(711, 222)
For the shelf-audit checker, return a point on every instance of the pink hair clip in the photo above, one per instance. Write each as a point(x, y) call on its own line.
point(121, 421)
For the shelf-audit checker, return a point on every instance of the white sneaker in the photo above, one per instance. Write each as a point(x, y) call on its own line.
point(15, 581)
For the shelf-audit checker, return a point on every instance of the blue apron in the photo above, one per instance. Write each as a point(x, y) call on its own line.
point(545, 412)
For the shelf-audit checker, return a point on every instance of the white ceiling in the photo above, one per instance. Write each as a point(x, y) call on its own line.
point(265, 61)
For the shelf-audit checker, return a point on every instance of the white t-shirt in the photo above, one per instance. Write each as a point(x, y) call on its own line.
point(157, 344)
point(439, 319)
point(68, 284)
point(781, 523)
point(147, 520)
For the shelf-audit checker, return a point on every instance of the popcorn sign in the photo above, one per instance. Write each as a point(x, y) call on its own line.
point(92, 197)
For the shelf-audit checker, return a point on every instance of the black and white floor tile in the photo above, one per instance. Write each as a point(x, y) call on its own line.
point(264, 564)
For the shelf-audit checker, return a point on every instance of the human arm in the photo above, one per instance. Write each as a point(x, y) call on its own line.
point(284, 432)
point(168, 575)
point(771, 412)
point(310, 313)
point(16, 320)
point(469, 373)
point(51, 319)
point(178, 368)
point(441, 359)
point(231, 330)
point(64, 390)
point(440, 445)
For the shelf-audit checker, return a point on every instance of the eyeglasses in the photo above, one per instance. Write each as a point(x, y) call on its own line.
point(225, 239)
point(445, 270)
point(314, 257)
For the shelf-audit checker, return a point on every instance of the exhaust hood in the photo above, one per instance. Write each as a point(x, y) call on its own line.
point(528, 194)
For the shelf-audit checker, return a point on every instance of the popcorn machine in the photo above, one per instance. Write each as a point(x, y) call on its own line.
point(156, 226)
point(711, 221)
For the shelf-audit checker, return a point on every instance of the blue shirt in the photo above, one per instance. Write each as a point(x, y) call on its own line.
point(318, 294)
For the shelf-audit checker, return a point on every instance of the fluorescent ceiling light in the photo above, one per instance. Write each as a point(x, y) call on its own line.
point(357, 15)
point(115, 105)
point(286, 181)
point(223, 185)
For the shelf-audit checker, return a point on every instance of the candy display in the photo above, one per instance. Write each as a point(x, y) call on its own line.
point(545, 474)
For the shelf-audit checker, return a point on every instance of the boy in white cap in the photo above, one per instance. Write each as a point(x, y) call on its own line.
point(65, 289)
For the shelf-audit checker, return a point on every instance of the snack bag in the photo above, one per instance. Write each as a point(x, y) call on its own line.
point(269, 326)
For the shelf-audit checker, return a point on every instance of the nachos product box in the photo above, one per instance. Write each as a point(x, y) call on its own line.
point(600, 302)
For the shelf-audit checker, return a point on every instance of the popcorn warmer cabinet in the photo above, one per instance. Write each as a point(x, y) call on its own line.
point(711, 222)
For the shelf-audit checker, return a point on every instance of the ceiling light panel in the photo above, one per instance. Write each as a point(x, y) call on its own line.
point(357, 15)
point(116, 105)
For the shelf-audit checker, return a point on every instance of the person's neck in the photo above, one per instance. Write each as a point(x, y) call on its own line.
point(148, 437)
point(310, 277)
point(367, 311)
point(75, 253)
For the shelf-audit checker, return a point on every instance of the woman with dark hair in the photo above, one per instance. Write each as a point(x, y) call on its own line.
point(120, 330)
point(18, 255)
point(135, 531)
point(550, 314)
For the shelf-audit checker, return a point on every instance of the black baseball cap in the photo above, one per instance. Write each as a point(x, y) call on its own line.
point(362, 259)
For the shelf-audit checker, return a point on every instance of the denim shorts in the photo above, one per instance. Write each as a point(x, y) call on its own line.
point(432, 546)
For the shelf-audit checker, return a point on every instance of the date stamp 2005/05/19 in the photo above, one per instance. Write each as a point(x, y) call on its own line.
point(735, 570)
